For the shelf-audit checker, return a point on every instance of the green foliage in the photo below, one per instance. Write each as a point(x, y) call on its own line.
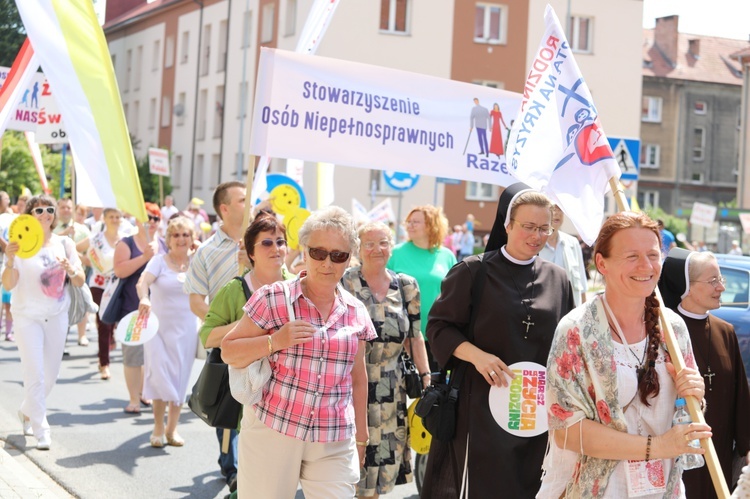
point(673, 224)
point(17, 167)
point(150, 183)
point(12, 32)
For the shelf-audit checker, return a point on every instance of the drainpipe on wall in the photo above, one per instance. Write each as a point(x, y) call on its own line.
point(224, 96)
point(243, 95)
point(195, 104)
point(744, 116)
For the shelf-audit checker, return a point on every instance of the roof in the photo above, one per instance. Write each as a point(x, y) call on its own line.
point(136, 13)
point(715, 63)
point(742, 54)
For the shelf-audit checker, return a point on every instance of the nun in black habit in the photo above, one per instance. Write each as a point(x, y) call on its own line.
point(691, 285)
point(521, 301)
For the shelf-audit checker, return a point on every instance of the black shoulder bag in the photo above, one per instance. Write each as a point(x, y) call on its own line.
point(439, 402)
point(211, 399)
point(409, 370)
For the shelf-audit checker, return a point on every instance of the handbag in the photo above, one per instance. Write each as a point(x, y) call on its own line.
point(81, 302)
point(439, 403)
point(247, 384)
point(110, 307)
point(408, 369)
point(211, 399)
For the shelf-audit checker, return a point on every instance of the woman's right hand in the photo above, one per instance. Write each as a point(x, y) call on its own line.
point(492, 369)
point(677, 440)
point(10, 251)
point(144, 306)
point(293, 333)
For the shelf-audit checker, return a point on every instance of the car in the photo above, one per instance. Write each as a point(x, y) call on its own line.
point(735, 308)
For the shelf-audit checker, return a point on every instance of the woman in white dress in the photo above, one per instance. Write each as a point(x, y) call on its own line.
point(168, 357)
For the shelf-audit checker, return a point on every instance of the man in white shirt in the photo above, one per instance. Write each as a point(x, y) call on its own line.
point(564, 251)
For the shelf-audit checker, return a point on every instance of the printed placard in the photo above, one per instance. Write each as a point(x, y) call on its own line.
point(520, 408)
point(137, 329)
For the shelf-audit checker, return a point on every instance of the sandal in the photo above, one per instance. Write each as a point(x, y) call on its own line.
point(145, 403)
point(104, 371)
point(157, 441)
point(132, 409)
point(83, 341)
point(175, 440)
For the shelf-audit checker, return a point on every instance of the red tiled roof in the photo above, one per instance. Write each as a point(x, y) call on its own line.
point(742, 54)
point(139, 11)
point(714, 63)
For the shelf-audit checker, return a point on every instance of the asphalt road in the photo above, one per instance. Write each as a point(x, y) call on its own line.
point(98, 450)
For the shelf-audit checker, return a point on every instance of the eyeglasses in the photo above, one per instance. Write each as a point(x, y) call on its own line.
point(154, 218)
point(267, 243)
point(715, 281)
point(41, 209)
point(544, 230)
point(413, 222)
point(183, 234)
point(320, 255)
point(370, 245)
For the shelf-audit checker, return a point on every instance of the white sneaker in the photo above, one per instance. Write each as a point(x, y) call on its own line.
point(27, 431)
point(44, 442)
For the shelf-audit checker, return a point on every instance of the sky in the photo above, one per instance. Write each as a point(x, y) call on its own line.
point(724, 18)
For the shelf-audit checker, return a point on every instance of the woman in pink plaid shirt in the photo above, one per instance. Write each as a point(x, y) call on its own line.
point(310, 426)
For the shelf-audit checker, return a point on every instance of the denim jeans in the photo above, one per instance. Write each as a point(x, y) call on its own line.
point(228, 461)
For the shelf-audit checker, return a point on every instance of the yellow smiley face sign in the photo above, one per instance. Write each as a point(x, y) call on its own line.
point(284, 199)
point(27, 232)
point(293, 222)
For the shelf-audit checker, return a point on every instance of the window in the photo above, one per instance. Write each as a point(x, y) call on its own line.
point(221, 61)
point(213, 181)
point(290, 23)
point(477, 191)
point(198, 174)
point(156, 57)
point(219, 113)
point(179, 109)
point(651, 111)
point(137, 68)
point(206, 53)
point(490, 23)
point(699, 143)
point(697, 178)
point(394, 16)
point(166, 111)
point(200, 134)
point(176, 178)
point(700, 107)
point(114, 63)
point(128, 69)
point(169, 52)
point(738, 283)
point(125, 111)
point(152, 113)
point(488, 83)
point(580, 33)
point(266, 28)
point(247, 28)
point(650, 155)
point(133, 124)
point(377, 181)
point(648, 199)
point(185, 47)
point(242, 108)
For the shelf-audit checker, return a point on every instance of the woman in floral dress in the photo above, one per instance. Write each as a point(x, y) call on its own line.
point(392, 300)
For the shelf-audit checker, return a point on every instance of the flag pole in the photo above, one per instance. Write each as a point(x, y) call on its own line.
point(693, 404)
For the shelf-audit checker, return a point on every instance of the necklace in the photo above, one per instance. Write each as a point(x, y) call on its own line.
point(709, 375)
point(181, 267)
point(614, 325)
point(526, 302)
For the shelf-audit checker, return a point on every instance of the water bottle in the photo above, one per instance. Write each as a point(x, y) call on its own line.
point(682, 416)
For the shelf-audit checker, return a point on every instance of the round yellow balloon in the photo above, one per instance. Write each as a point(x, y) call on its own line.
point(293, 221)
point(420, 437)
point(205, 227)
point(27, 232)
point(284, 199)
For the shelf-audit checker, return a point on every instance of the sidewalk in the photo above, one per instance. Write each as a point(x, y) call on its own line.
point(21, 478)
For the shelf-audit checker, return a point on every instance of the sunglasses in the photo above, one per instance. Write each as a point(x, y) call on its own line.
point(41, 209)
point(154, 218)
point(183, 234)
point(320, 255)
point(267, 243)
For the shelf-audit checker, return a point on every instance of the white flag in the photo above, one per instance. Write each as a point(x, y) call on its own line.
point(382, 212)
point(359, 212)
point(557, 144)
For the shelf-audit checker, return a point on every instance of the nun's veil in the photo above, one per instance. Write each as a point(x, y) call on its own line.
point(674, 282)
point(498, 235)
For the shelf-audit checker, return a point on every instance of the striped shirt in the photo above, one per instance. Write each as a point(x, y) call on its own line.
point(309, 396)
point(213, 265)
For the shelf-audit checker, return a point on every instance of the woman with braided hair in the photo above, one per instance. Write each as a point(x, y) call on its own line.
point(611, 386)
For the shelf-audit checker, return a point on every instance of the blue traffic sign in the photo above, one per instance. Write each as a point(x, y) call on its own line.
point(400, 181)
point(627, 154)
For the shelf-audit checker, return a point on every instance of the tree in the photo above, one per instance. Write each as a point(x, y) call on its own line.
point(150, 183)
point(17, 168)
point(12, 32)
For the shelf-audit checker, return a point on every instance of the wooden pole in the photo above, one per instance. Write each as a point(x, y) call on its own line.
point(693, 404)
point(161, 191)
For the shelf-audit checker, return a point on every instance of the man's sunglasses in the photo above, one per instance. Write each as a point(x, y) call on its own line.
point(267, 243)
point(320, 255)
point(41, 209)
point(154, 218)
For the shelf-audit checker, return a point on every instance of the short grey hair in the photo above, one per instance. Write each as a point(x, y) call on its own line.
point(375, 226)
point(331, 218)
